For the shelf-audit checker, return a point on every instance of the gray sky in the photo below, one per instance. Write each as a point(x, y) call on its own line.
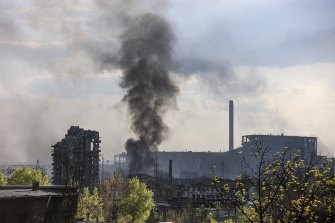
point(275, 59)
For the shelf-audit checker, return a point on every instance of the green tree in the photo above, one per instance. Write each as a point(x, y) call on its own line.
point(308, 193)
point(137, 202)
point(90, 206)
point(96, 206)
point(83, 204)
point(26, 176)
point(3, 179)
point(279, 189)
point(111, 191)
point(254, 192)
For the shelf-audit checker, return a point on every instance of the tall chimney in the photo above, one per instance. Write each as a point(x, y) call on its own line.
point(170, 171)
point(231, 125)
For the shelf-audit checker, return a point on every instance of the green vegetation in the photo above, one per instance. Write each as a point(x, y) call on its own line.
point(111, 192)
point(114, 201)
point(284, 190)
point(278, 189)
point(24, 176)
point(137, 202)
point(191, 214)
point(3, 179)
point(90, 206)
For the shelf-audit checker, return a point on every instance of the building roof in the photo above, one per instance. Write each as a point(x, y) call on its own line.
point(279, 136)
point(25, 193)
point(18, 191)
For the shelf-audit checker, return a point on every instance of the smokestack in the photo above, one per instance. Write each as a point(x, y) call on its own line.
point(231, 125)
point(170, 171)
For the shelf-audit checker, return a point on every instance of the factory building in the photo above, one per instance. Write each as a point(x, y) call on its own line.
point(306, 145)
point(75, 159)
point(226, 165)
point(180, 179)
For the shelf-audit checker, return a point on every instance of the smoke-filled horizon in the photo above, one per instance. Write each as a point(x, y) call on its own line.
point(146, 51)
point(59, 66)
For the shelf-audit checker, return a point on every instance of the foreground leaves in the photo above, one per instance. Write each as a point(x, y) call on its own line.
point(26, 176)
point(137, 202)
point(279, 189)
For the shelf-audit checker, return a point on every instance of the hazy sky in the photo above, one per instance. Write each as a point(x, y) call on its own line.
point(275, 59)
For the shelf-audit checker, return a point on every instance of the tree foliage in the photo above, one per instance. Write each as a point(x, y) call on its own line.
point(283, 189)
point(90, 206)
point(137, 202)
point(83, 204)
point(114, 201)
point(26, 176)
point(111, 192)
point(3, 179)
point(307, 193)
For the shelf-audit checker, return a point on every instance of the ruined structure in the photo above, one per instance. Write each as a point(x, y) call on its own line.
point(75, 159)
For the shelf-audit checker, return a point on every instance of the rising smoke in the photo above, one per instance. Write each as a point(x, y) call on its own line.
point(74, 42)
point(145, 59)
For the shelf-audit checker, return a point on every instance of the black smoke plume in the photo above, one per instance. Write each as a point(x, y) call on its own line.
point(146, 54)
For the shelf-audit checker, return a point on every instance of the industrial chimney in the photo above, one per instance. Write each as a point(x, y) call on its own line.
point(231, 125)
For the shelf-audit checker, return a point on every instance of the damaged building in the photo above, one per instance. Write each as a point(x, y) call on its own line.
point(75, 159)
point(37, 204)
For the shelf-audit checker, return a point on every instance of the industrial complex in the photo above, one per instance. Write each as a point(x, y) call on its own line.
point(178, 179)
point(77, 157)
point(227, 164)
